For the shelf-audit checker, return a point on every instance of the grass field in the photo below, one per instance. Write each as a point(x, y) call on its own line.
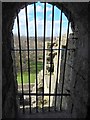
point(32, 73)
point(25, 77)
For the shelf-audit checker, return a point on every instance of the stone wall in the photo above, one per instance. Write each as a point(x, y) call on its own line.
point(78, 68)
point(79, 82)
point(8, 76)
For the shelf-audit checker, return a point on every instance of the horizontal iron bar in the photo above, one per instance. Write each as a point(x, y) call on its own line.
point(46, 94)
point(39, 49)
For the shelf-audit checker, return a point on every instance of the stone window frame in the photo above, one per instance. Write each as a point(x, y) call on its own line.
point(21, 6)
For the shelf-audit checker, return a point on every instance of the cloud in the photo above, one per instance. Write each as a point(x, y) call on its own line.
point(48, 9)
point(40, 22)
point(39, 8)
point(30, 9)
point(50, 16)
point(40, 27)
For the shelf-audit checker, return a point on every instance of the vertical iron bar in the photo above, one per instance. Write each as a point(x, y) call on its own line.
point(28, 55)
point(51, 55)
point(36, 57)
point(20, 59)
point(63, 77)
point(44, 54)
point(58, 58)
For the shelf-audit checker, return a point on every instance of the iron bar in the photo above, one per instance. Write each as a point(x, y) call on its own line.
point(51, 53)
point(46, 94)
point(58, 57)
point(44, 53)
point(28, 55)
point(63, 77)
point(51, 60)
point(36, 57)
point(20, 59)
point(42, 49)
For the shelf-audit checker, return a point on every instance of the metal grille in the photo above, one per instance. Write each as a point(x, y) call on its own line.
point(44, 49)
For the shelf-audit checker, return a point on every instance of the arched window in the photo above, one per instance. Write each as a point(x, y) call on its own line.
point(41, 32)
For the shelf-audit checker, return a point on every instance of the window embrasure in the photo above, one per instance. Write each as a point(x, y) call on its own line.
point(41, 33)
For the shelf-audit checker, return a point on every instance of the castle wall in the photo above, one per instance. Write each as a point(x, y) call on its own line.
point(78, 65)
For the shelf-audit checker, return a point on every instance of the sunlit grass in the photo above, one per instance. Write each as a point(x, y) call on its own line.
point(25, 77)
point(32, 73)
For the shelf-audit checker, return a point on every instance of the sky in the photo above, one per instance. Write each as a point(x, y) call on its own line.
point(40, 21)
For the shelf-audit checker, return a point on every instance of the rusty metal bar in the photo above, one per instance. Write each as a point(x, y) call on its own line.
point(36, 57)
point(51, 54)
point(44, 53)
point(28, 54)
point(58, 58)
point(63, 77)
point(20, 59)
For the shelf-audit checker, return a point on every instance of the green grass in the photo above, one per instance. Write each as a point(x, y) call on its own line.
point(33, 66)
point(32, 73)
point(25, 77)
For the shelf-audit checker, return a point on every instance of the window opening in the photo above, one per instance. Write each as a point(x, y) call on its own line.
point(38, 53)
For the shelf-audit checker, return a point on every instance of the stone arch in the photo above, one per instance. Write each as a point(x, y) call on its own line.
point(79, 25)
point(59, 7)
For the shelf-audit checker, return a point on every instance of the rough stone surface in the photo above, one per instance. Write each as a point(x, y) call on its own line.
point(78, 67)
